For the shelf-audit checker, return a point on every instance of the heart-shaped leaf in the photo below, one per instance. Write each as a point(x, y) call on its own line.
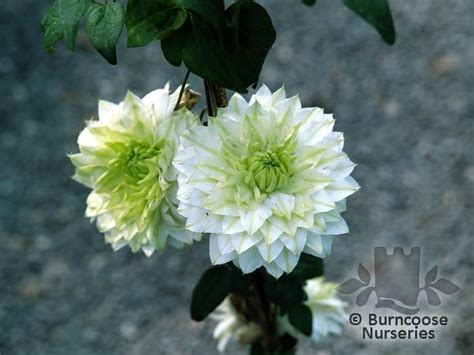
point(204, 56)
point(104, 26)
point(254, 35)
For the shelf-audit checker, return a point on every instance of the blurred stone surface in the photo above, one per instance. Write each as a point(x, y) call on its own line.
point(407, 113)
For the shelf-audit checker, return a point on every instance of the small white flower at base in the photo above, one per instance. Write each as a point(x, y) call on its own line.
point(232, 325)
point(267, 179)
point(125, 158)
point(327, 309)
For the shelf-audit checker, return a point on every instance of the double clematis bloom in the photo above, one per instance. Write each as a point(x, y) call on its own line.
point(126, 159)
point(267, 179)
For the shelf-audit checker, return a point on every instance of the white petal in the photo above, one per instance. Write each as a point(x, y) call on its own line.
point(280, 204)
point(274, 270)
point(336, 228)
point(270, 252)
point(216, 255)
point(232, 225)
point(263, 95)
point(341, 189)
point(322, 201)
point(109, 113)
point(243, 241)
point(250, 260)
point(252, 220)
point(343, 169)
point(287, 260)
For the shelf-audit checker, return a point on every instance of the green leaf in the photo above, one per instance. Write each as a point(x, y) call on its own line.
point(140, 10)
point(308, 267)
point(301, 318)
point(203, 55)
point(286, 291)
point(377, 13)
point(212, 288)
point(157, 26)
point(254, 36)
point(212, 11)
point(70, 13)
point(240, 281)
point(173, 45)
point(309, 2)
point(104, 25)
point(52, 27)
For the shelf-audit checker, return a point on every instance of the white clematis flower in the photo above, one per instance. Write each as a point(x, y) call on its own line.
point(267, 179)
point(233, 325)
point(327, 309)
point(125, 158)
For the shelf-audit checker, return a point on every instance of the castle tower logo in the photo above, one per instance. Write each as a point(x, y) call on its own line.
point(397, 283)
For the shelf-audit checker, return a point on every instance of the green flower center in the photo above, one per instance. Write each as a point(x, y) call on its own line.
point(269, 170)
point(133, 180)
point(135, 158)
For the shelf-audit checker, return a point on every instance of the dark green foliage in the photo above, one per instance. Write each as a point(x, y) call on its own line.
point(226, 47)
point(158, 26)
point(212, 288)
point(52, 27)
point(70, 13)
point(300, 317)
point(308, 267)
point(377, 13)
point(173, 46)
point(234, 57)
point(212, 11)
point(104, 25)
point(286, 291)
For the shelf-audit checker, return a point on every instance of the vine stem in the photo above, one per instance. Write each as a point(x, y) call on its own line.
point(215, 97)
point(181, 92)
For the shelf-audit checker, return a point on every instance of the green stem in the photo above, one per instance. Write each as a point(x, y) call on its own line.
point(270, 337)
point(181, 92)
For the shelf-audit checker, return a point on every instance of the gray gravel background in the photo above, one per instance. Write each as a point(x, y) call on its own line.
point(407, 112)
